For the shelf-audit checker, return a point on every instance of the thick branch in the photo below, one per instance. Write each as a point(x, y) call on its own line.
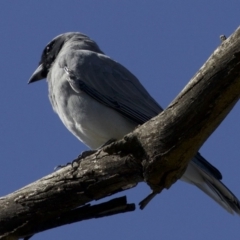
point(193, 116)
point(157, 152)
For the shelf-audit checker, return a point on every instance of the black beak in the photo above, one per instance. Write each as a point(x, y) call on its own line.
point(38, 74)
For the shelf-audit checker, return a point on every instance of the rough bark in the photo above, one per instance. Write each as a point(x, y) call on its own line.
point(156, 152)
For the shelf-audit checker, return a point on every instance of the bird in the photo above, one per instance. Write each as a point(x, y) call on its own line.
point(99, 100)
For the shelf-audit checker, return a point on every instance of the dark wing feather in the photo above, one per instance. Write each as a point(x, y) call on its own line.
point(111, 84)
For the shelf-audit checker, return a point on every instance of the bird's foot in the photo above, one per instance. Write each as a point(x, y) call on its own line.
point(75, 162)
point(85, 154)
point(62, 166)
point(107, 143)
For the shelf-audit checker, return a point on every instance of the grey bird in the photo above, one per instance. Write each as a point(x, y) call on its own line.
point(99, 100)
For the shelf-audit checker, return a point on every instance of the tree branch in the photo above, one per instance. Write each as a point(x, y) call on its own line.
point(112, 207)
point(156, 152)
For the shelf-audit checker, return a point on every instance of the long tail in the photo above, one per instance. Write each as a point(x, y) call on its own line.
point(207, 178)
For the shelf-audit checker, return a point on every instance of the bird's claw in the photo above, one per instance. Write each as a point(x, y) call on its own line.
point(75, 162)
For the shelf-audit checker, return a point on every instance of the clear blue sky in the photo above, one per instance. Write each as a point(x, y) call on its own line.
point(163, 43)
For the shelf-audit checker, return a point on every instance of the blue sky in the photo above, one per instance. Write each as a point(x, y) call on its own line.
point(163, 43)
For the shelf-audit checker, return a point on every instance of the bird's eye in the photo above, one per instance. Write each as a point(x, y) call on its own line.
point(49, 48)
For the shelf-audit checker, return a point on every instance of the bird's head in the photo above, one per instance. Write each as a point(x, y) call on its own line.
point(53, 48)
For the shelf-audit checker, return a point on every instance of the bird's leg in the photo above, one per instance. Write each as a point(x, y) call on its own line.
point(61, 166)
point(84, 154)
point(77, 160)
point(92, 151)
point(107, 143)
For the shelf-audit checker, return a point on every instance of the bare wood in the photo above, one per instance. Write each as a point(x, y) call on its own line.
point(157, 152)
point(112, 207)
